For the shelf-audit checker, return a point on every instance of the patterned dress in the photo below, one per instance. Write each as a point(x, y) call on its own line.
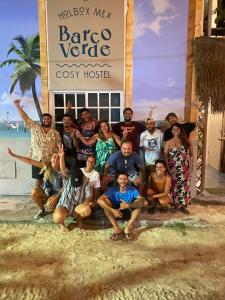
point(179, 164)
point(103, 150)
point(72, 196)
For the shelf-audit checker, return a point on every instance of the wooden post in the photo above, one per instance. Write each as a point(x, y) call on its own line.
point(43, 53)
point(128, 54)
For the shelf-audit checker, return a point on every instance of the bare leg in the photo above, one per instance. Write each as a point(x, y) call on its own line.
point(82, 210)
point(59, 216)
point(38, 195)
point(128, 228)
point(104, 203)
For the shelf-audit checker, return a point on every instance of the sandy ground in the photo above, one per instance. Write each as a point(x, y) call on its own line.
point(37, 261)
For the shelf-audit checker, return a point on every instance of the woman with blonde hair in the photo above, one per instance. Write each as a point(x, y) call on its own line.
point(51, 189)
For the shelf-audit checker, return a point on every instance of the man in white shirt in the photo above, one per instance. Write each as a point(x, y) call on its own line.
point(151, 145)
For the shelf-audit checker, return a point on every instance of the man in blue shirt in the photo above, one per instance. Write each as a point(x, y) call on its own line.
point(116, 202)
point(125, 161)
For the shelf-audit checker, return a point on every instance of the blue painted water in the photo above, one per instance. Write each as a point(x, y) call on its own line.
point(15, 130)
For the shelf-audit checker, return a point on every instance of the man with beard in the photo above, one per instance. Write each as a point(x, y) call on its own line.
point(151, 146)
point(69, 140)
point(125, 161)
point(172, 118)
point(44, 142)
point(116, 202)
point(129, 129)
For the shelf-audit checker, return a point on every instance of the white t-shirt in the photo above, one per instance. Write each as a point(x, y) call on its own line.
point(94, 178)
point(152, 144)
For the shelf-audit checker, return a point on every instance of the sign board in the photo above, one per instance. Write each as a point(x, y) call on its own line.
point(85, 44)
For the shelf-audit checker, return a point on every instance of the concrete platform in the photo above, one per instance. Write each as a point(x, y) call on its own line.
point(21, 209)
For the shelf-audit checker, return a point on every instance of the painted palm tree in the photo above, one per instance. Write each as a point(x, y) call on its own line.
point(27, 66)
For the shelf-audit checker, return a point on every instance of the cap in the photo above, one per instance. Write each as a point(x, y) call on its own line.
point(150, 119)
point(76, 177)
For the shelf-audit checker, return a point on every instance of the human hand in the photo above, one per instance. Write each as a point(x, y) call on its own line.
point(73, 133)
point(10, 152)
point(61, 150)
point(123, 204)
point(117, 213)
point(137, 181)
point(125, 132)
point(77, 132)
point(52, 202)
point(17, 102)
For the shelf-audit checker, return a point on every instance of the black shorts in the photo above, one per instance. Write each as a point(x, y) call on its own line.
point(35, 173)
point(126, 213)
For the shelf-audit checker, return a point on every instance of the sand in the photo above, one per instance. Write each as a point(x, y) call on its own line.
point(40, 262)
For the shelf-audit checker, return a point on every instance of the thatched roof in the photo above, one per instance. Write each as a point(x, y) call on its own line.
point(209, 60)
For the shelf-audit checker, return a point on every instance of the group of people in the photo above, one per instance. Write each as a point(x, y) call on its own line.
point(84, 164)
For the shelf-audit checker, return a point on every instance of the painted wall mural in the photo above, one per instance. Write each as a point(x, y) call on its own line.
point(159, 57)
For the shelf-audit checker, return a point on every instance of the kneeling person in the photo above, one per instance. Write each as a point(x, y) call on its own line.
point(116, 202)
point(76, 197)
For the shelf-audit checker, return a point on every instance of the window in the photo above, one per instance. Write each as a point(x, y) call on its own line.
point(102, 105)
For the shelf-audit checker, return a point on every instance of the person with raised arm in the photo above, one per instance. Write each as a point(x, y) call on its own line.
point(51, 188)
point(44, 142)
point(105, 144)
point(76, 198)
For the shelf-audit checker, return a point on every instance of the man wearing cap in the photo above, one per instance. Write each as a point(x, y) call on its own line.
point(151, 145)
point(172, 118)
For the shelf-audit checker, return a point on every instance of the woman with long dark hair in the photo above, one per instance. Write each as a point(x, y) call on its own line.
point(178, 153)
point(158, 187)
point(106, 141)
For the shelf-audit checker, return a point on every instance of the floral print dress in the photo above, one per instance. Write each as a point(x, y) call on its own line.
point(179, 164)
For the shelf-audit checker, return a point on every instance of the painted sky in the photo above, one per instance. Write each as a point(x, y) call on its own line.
point(159, 56)
point(17, 17)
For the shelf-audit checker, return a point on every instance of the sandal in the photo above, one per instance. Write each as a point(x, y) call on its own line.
point(117, 236)
point(129, 236)
point(184, 210)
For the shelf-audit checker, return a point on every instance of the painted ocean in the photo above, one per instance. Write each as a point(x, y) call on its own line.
point(13, 129)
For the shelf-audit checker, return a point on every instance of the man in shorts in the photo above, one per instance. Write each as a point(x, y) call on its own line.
point(44, 142)
point(116, 203)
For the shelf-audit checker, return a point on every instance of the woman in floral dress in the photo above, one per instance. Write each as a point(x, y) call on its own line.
point(179, 159)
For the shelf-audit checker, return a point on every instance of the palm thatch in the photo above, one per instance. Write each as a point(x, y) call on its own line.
point(209, 60)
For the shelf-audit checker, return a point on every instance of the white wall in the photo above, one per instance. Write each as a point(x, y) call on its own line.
point(213, 144)
point(15, 176)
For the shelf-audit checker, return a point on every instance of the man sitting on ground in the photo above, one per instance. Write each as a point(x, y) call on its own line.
point(116, 202)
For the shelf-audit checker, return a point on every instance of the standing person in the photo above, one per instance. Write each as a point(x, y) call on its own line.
point(151, 145)
point(172, 118)
point(44, 141)
point(116, 203)
point(129, 129)
point(87, 128)
point(125, 161)
point(76, 198)
point(69, 140)
point(51, 189)
point(178, 153)
point(105, 144)
point(92, 175)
